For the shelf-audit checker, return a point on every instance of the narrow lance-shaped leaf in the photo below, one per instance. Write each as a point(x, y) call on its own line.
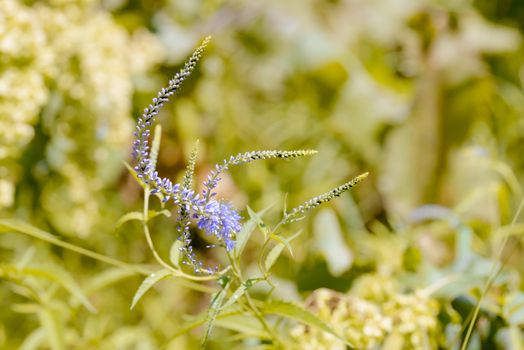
point(200, 319)
point(239, 292)
point(244, 326)
point(136, 215)
point(107, 278)
point(214, 309)
point(275, 252)
point(52, 273)
point(260, 223)
point(295, 312)
point(149, 282)
point(10, 225)
point(54, 328)
point(247, 230)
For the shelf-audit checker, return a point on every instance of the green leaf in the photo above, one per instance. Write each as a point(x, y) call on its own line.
point(9, 225)
point(199, 320)
point(35, 340)
point(134, 215)
point(246, 325)
point(148, 282)
point(297, 313)
point(134, 175)
point(516, 339)
point(243, 236)
point(275, 252)
point(515, 310)
point(174, 253)
point(282, 241)
point(273, 255)
point(26, 258)
point(247, 230)
point(54, 328)
point(55, 274)
point(154, 213)
point(106, 278)
point(329, 241)
point(260, 223)
point(464, 255)
point(67, 282)
point(214, 309)
point(239, 292)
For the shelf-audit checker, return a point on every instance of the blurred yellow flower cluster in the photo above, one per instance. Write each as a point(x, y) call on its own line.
point(25, 60)
point(375, 314)
point(66, 73)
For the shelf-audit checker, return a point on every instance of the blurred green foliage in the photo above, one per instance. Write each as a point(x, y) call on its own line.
point(425, 95)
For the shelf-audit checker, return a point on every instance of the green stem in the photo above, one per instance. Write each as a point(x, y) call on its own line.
point(495, 270)
point(253, 308)
point(174, 271)
point(49, 238)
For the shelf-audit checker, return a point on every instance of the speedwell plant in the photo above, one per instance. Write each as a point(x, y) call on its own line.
point(222, 222)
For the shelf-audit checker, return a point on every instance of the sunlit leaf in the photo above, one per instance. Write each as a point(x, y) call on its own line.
point(516, 338)
point(295, 312)
point(239, 292)
point(134, 215)
point(54, 328)
point(107, 278)
point(248, 326)
point(283, 242)
point(515, 310)
point(214, 309)
point(55, 274)
point(247, 230)
point(201, 319)
point(149, 282)
point(174, 253)
point(275, 252)
point(9, 225)
point(134, 175)
point(330, 242)
point(35, 340)
point(273, 255)
point(243, 236)
point(258, 220)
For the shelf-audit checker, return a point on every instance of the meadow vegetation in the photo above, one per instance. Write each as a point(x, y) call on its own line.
point(341, 174)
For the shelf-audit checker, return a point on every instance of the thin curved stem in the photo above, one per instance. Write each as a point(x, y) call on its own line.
point(251, 305)
point(158, 258)
point(49, 238)
point(495, 270)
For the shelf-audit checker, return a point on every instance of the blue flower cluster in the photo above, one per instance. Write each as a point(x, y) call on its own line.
point(216, 218)
point(221, 220)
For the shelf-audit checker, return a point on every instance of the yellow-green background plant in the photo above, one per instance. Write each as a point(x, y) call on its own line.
point(426, 96)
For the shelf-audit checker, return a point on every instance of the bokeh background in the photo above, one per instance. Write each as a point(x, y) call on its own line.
point(425, 95)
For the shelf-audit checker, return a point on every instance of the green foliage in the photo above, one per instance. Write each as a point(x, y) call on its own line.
point(149, 282)
point(427, 96)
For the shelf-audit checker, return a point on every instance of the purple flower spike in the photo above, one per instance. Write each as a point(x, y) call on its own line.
point(221, 220)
